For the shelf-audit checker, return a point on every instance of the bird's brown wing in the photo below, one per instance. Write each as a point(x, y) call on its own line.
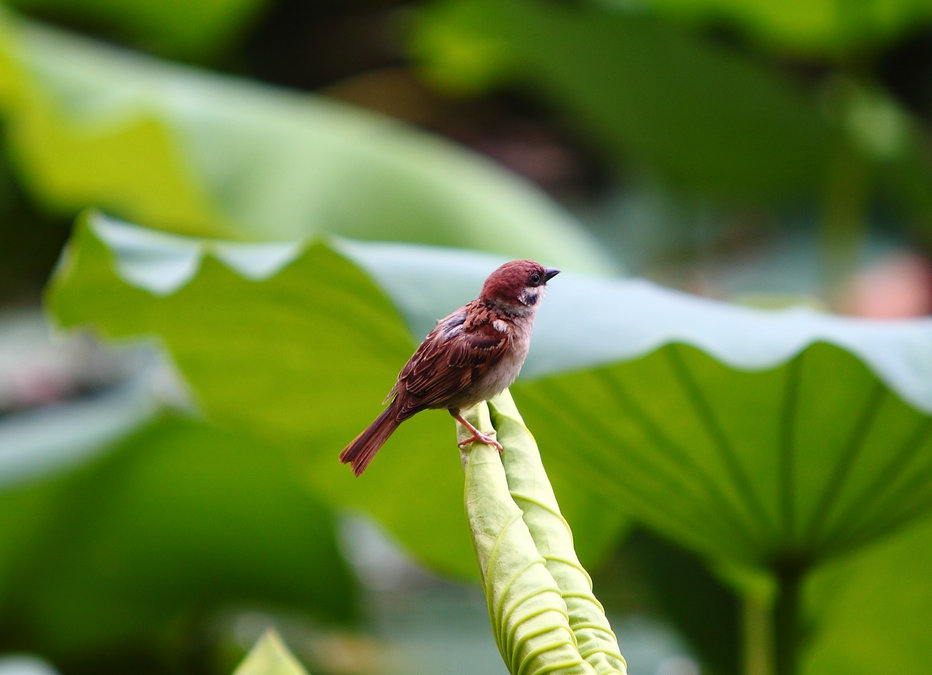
point(455, 353)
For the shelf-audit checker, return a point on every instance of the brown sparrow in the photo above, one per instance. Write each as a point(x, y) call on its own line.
point(469, 357)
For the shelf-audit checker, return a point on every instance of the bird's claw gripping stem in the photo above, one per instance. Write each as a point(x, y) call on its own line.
point(477, 436)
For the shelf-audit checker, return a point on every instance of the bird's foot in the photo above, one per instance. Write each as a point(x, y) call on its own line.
point(486, 439)
point(477, 436)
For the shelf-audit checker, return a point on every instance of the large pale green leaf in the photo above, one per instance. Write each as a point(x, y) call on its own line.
point(296, 345)
point(699, 114)
point(757, 438)
point(176, 520)
point(197, 153)
point(805, 434)
point(751, 391)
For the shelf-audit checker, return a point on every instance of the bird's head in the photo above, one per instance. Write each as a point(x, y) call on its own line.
point(517, 284)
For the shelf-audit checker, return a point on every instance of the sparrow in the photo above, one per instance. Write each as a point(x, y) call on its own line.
point(469, 357)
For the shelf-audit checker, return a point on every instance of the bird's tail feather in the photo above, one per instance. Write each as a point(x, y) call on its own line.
point(363, 448)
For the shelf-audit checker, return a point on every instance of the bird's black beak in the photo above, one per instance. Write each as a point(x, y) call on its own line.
point(550, 274)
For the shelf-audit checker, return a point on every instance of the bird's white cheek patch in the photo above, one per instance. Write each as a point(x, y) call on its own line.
point(529, 296)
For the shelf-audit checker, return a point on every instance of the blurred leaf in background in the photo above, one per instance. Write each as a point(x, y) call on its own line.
point(121, 561)
point(702, 117)
point(211, 156)
point(194, 30)
point(816, 28)
point(649, 576)
point(641, 89)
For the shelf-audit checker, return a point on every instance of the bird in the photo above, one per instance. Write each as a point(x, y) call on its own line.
point(470, 356)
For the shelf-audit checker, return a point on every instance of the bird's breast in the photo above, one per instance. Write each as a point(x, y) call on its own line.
point(502, 374)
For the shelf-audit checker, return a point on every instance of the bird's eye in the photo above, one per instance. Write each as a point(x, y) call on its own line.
point(535, 278)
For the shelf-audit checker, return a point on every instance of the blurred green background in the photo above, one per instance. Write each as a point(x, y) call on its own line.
point(163, 501)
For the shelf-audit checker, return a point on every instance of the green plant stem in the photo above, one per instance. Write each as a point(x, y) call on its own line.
point(786, 620)
point(758, 636)
point(843, 220)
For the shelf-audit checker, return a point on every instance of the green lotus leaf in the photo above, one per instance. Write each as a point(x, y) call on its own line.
point(296, 345)
point(751, 390)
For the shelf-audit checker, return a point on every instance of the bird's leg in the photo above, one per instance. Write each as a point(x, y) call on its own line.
point(477, 436)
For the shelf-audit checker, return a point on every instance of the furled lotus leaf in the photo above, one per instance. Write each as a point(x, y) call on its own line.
point(541, 603)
